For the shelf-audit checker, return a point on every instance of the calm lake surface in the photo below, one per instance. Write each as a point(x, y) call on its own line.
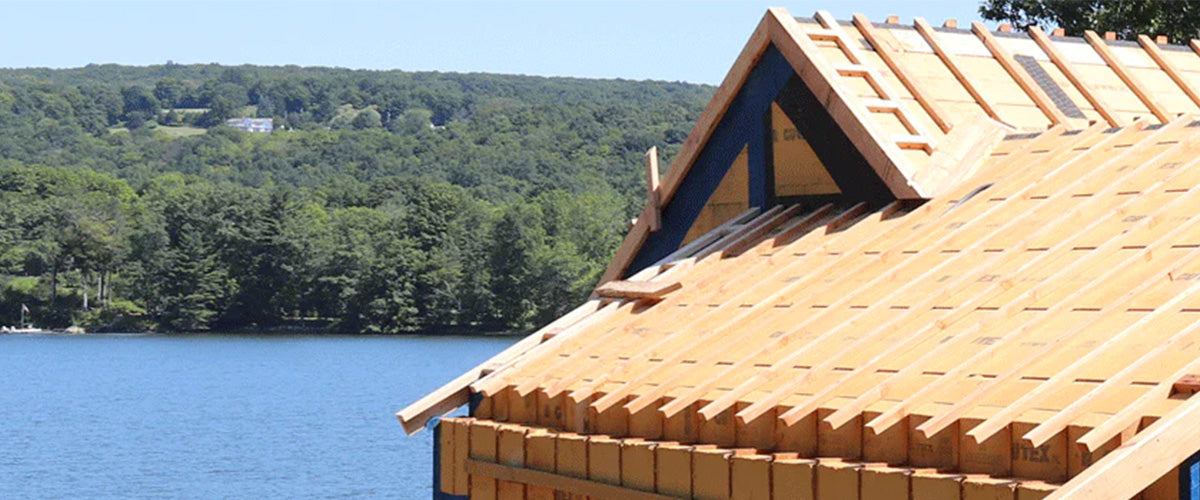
point(156, 416)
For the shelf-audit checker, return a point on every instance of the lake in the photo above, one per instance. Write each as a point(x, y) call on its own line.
point(220, 416)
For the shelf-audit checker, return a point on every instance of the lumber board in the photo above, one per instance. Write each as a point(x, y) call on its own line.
point(1172, 72)
point(1132, 413)
point(652, 182)
point(894, 62)
point(1001, 419)
point(456, 392)
point(1006, 416)
point(804, 56)
point(498, 379)
point(890, 417)
point(637, 290)
point(1114, 63)
point(567, 484)
point(952, 64)
point(1018, 74)
point(880, 85)
point(1151, 454)
point(847, 411)
point(845, 414)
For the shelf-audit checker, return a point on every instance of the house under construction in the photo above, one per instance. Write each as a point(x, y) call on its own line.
point(891, 261)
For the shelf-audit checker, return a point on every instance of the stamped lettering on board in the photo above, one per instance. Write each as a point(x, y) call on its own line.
point(1133, 218)
point(1040, 454)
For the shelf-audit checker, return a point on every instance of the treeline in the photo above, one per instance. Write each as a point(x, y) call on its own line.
point(389, 202)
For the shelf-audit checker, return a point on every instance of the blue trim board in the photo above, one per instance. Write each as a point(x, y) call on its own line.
point(1189, 478)
point(741, 125)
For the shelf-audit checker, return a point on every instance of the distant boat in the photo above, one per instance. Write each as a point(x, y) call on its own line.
point(28, 329)
point(22, 327)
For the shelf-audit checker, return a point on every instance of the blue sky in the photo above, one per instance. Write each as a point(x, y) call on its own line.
point(689, 41)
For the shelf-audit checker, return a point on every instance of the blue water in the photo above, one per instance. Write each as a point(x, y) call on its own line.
point(153, 416)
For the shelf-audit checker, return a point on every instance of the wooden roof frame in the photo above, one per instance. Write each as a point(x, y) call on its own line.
point(779, 28)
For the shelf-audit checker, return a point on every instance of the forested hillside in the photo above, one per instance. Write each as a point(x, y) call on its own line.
point(383, 202)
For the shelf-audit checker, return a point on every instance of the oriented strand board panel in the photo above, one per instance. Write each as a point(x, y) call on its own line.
point(798, 170)
point(731, 198)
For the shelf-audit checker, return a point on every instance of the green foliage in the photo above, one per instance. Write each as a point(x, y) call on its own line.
point(392, 202)
point(1179, 20)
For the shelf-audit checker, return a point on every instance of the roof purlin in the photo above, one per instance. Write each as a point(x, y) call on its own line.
point(804, 408)
point(892, 415)
point(1151, 454)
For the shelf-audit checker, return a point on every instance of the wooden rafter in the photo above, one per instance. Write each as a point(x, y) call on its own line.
point(1151, 454)
point(854, 408)
point(549, 369)
point(1114, 63)
point(739, 320)
point(951, 62)
point(455, 393)
point(1133, 412)
point(1004, 417)
point(802, 409)
point(1019, 75)
point(931, 390)
point(1156, 54)
point(580, 362)
point(1068, 70)
point(1064, 417)
point(895, 63)
point(764, 404)
point(693, 394)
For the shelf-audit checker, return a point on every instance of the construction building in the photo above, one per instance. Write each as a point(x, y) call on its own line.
point(891, 261)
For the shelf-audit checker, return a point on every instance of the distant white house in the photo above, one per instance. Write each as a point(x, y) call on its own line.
point(257, 125)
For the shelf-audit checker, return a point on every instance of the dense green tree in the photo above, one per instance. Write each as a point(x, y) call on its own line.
point(394, 202)
point(1179, 20)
